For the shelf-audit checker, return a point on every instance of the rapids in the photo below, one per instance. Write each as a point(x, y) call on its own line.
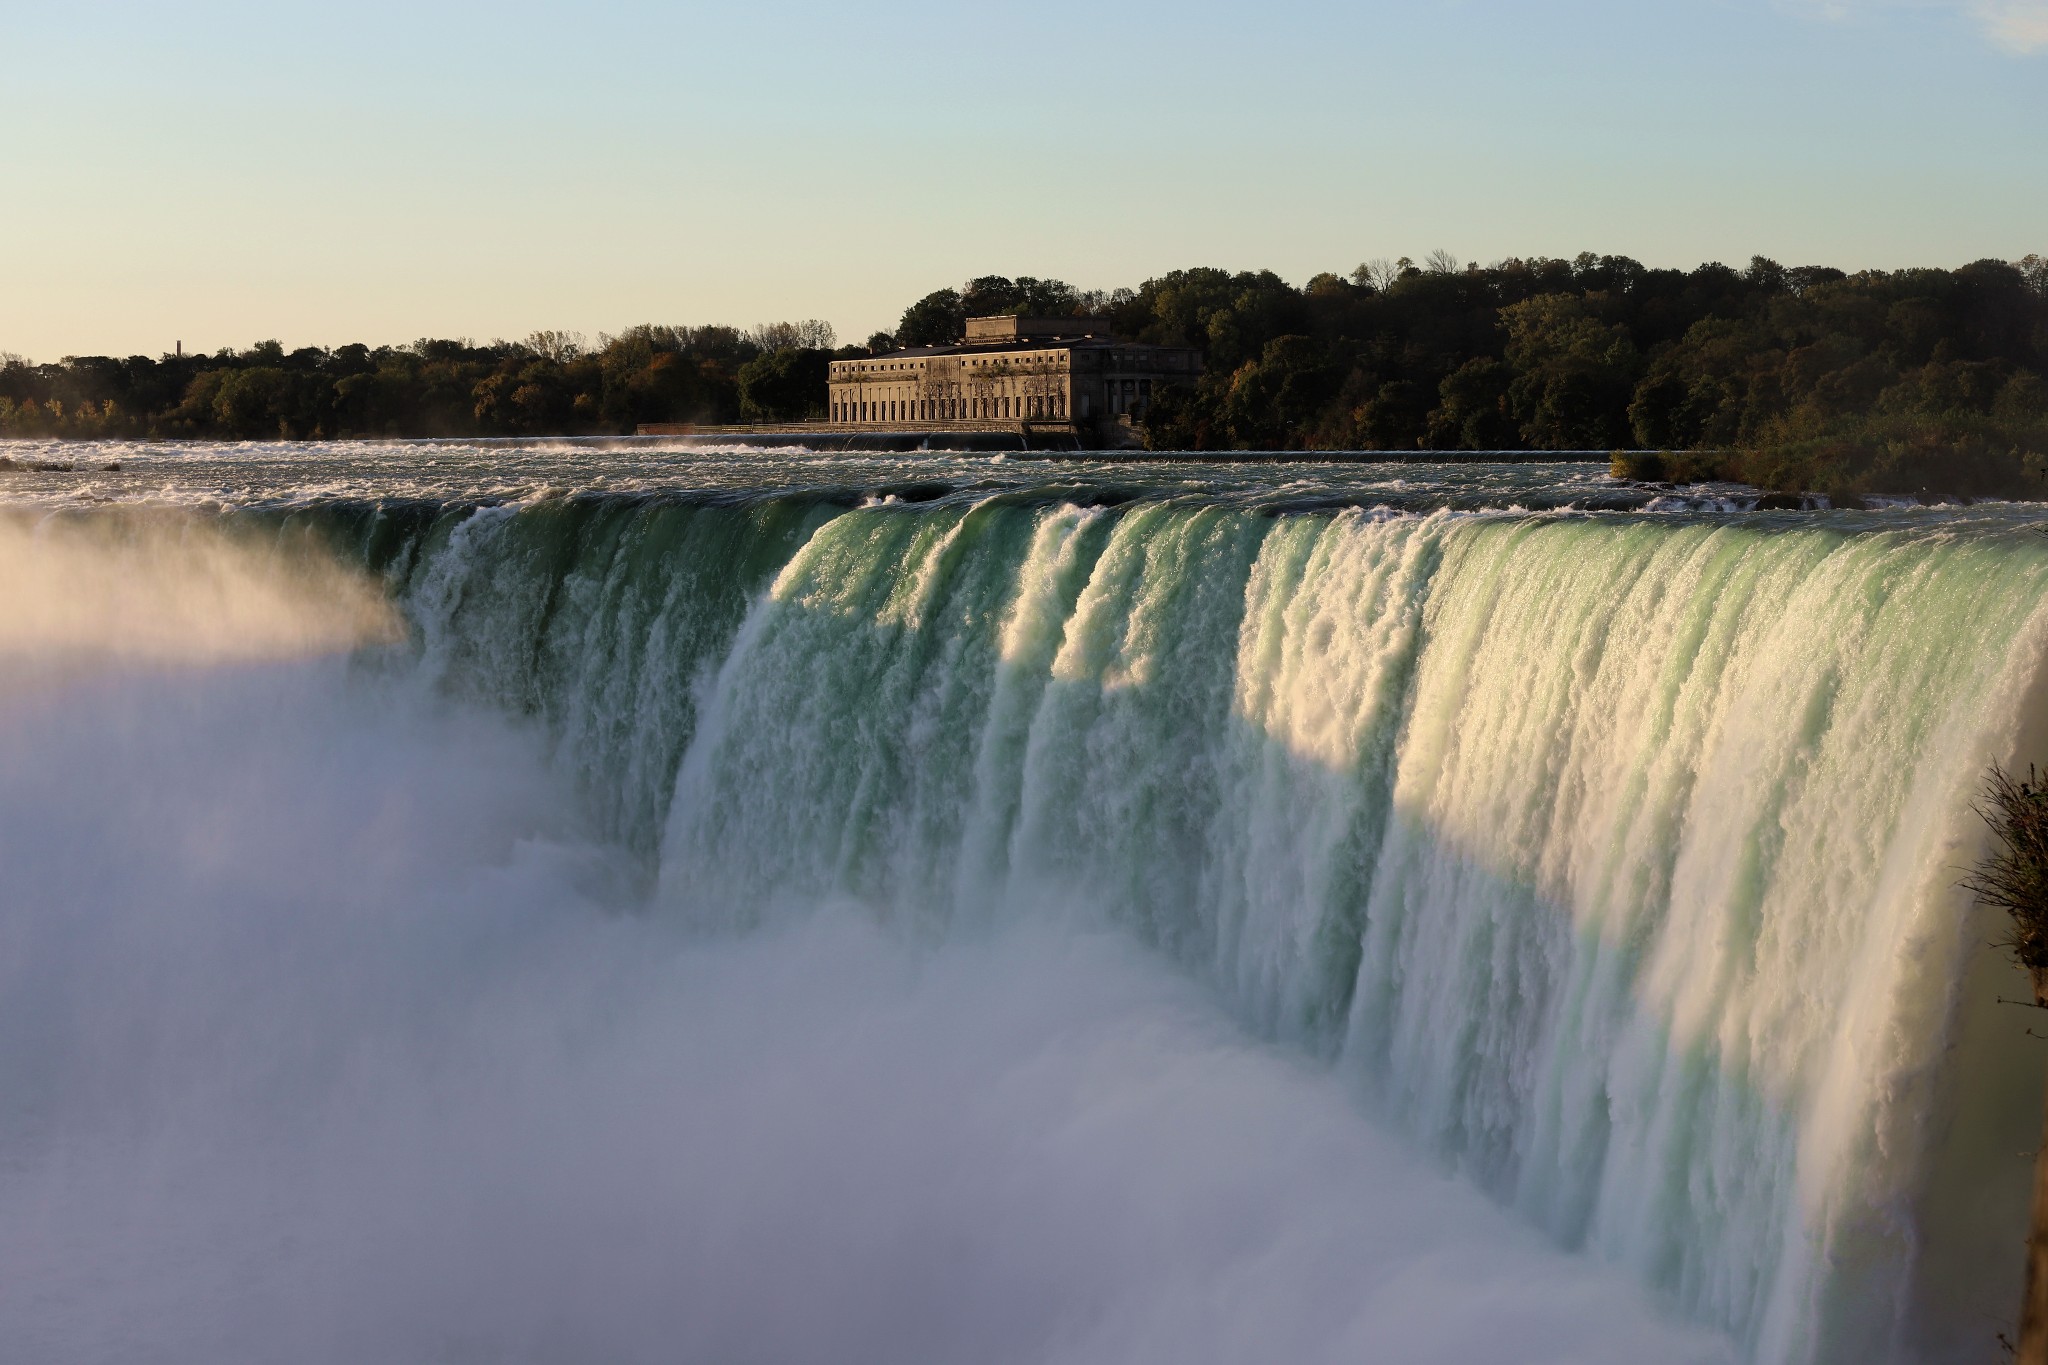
point(1596, 846)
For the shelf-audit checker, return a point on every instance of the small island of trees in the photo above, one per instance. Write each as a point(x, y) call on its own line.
point(1795, 378)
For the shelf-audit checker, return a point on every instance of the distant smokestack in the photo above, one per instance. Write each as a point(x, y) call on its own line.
point(181, 350)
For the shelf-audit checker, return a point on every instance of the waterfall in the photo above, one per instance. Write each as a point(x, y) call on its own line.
point(1612, 858)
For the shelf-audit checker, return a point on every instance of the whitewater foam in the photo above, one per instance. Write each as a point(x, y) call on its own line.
point(328, 1033)
point(1608, 860)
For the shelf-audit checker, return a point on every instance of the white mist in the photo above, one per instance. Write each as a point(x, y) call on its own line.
point(328, 1035)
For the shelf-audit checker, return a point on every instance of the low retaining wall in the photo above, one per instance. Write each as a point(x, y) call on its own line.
point(990, 436)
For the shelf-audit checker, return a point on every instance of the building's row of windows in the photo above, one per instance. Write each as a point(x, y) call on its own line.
point(1047, 406)
point(1125, 396)
point(1030, 362)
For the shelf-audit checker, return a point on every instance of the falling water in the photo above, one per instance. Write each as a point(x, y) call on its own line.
point(1609, 858)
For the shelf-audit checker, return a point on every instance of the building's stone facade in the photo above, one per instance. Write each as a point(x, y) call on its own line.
point(1008, 370)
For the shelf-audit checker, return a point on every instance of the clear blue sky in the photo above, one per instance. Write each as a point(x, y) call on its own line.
point(221, 172)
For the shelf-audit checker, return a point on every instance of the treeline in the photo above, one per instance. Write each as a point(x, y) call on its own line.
point(1802, 377)
point(550, 384)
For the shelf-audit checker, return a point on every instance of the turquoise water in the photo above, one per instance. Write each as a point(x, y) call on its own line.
point(1601, 841)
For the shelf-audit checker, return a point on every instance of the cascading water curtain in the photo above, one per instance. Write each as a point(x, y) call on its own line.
point(1613, 856)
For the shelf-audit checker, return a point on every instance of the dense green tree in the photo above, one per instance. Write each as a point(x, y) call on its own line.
point(1271, 400)
point(937, 319)
point(784, 386)
point(1472, 411)
point(1574, 373)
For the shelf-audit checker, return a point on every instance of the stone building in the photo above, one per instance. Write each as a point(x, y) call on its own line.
point(1009, 370)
